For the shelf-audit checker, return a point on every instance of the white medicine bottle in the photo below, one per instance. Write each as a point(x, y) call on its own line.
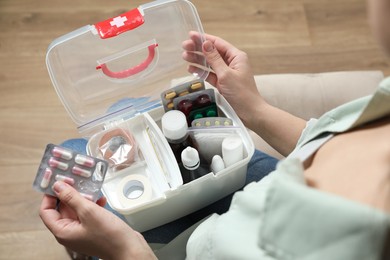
point(175, 129)
point(193, 166)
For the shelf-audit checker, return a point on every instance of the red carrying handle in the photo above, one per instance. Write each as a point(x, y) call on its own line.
point(131, 71)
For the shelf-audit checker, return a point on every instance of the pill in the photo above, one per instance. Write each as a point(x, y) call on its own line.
point(84, 160)
point(81, 172)
point(65, 179)
point(87, 196)
point(170, 95)
point(207, 123)
point(202, 100)
point(57, 164)
point(170, 105)
point(196, 86)
point(62, 153)
point(211, 112)
point(185, 106)
point(226, 123)
point(184, 93)
point(46, 178)
point(198, 115)
point(217, 123)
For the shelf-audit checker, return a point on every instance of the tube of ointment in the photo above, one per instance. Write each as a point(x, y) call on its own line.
point(232, 150)
point(217, 164)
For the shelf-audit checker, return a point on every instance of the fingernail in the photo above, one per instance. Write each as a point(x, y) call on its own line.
point(208, 46)
point(58, 186)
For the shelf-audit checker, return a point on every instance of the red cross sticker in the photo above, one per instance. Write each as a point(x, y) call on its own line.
point(118, 21)
point(120, 24)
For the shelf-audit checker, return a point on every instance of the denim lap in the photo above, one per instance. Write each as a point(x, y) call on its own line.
point(259, 166)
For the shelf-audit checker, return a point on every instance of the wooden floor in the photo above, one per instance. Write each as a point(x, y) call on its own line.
point(283, 36)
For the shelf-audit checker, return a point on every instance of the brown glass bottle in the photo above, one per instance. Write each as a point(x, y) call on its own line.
point(175, 128)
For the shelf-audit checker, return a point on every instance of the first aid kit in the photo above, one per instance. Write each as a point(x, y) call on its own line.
point(117, 79)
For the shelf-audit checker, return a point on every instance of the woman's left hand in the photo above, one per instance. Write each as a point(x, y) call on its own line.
point(88, 228)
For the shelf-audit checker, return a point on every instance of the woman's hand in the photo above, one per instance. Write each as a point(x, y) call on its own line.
point(87, 228)
point(232, 75)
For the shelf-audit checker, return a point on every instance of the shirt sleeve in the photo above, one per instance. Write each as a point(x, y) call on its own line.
point(309, 125)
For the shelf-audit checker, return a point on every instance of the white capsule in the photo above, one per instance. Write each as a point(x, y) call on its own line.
point(57, 164)
point(81, 172)
point(46, 178)
point(84, 160)
point(62, 153)
point(65, 179)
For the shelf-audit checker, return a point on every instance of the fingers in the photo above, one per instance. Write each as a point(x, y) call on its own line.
point(69, 196)
point(193, 57)
point(48, 212)
point(218, 53)
point(214, 58)
point(224, 48)
point(188, 45)
point(101, 201)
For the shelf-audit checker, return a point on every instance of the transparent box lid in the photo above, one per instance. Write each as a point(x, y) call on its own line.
point(119, 67)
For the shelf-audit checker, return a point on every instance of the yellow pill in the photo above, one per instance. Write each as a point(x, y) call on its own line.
point(170, 105)
point(207, 123)
point(196, 86)
point(198, 124)
point(170, 95)
point(226, 123)
point(217, 123)
point(184, 93)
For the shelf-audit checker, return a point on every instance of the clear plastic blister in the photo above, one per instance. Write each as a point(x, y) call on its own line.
point(119, 148)
point(212, 122)
point(85, 173)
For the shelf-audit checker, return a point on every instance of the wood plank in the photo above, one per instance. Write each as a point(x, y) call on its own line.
point(39, 244)
point(258, 24)
point(338, 23)
point(25, 132)
point(317, 59)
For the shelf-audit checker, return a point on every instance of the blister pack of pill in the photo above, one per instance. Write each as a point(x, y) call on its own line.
point(85, 173)
point(212, 122)
point(169, 95)
point(197, 105)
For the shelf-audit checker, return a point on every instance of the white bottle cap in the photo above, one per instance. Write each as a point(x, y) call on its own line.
point(190, 158)
point(217, 164)
point(174, 125)
point(232, 150)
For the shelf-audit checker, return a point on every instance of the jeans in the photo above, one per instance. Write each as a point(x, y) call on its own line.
point(259, 166)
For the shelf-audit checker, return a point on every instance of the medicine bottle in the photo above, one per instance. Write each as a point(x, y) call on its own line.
point(193, 166)
point(175, 128)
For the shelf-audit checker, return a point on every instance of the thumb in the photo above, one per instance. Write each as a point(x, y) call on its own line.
point(213, 57)
point(69, 196)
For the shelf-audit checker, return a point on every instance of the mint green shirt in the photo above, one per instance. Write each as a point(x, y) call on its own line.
point(280, 217)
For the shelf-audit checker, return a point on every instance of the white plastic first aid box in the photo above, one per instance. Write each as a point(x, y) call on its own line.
point(110, 76)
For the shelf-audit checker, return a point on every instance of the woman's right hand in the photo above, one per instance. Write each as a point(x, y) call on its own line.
point(231, 73)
